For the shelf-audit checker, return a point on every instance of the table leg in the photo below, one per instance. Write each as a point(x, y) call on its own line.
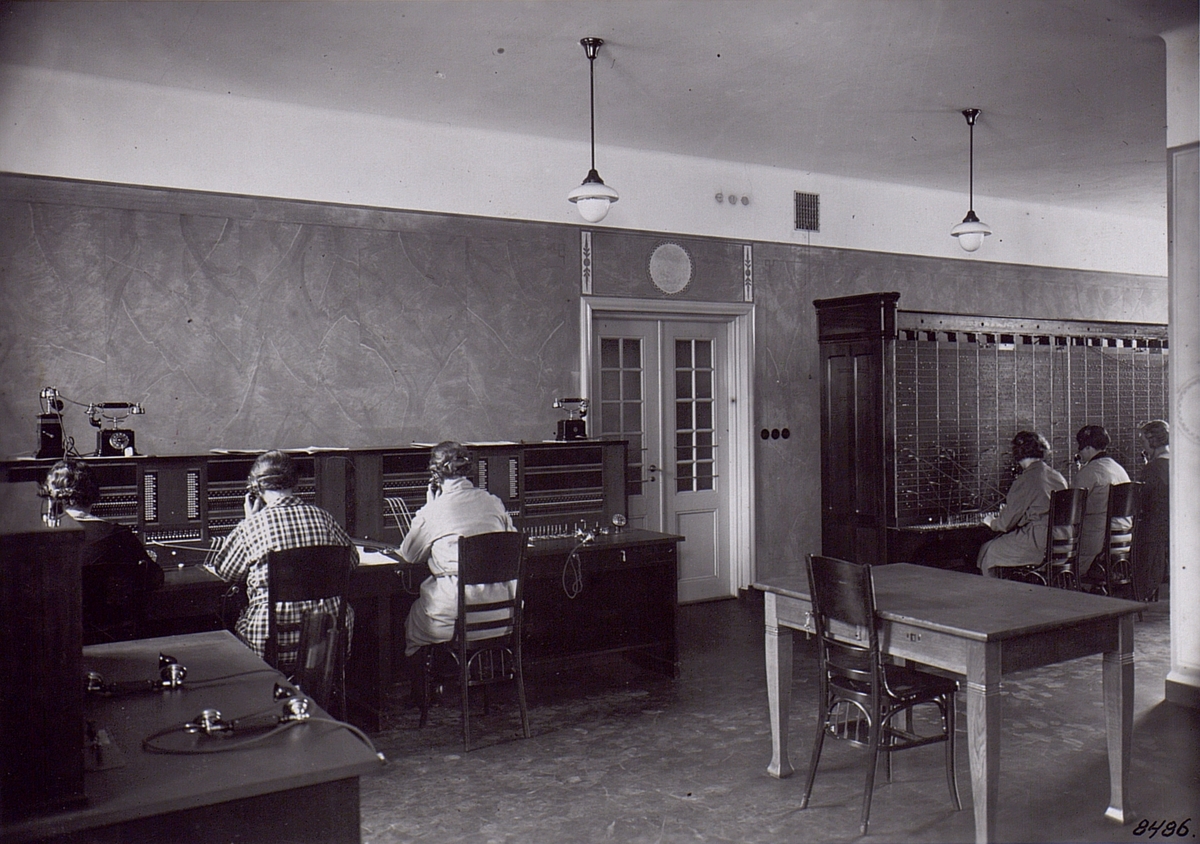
point(983, 735)
point(1118, 719)
point(779, 687)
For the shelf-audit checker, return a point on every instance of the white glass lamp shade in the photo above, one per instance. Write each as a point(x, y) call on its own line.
point(593, 197)
point(970, 232)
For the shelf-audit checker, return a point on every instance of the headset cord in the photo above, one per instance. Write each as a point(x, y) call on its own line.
point(572, 574)
point(149, 744)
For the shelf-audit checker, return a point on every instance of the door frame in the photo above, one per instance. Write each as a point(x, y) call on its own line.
point(740, 366)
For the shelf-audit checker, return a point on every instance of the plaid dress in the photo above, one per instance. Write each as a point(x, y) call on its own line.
point(289, 523)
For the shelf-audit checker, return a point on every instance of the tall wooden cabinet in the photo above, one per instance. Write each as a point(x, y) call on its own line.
point(857, 341)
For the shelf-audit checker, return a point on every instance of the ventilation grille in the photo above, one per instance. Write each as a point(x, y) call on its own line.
point(808, 212)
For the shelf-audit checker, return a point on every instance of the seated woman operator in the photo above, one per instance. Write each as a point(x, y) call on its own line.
point(118, 573)
point(453, 508)
point(1025, 516)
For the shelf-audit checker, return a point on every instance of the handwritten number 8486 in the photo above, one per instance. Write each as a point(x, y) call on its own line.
point(1165, 828)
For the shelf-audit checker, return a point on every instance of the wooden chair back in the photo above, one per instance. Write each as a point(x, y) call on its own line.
point(843, 607)
point(310, 573)
point(487, 631)
point(1067, 507)
point(1123, 506)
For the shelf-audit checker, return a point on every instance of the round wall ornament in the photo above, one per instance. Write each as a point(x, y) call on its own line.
point(670, 268)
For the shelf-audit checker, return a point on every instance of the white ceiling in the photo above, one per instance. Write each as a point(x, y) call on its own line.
point(1072, 92)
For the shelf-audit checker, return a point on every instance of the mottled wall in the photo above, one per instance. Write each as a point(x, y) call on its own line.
point(249, 323)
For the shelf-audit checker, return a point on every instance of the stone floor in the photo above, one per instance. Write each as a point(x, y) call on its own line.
point(620, 754)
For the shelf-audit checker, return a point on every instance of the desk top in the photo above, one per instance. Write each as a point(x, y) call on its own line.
point(222, 674)
point(970, 606)
point(625, 539)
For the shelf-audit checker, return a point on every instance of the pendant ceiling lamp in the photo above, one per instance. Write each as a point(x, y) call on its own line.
point(593, 197)
point(971, 232)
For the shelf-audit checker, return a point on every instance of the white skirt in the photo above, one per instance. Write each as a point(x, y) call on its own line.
point(431, 619)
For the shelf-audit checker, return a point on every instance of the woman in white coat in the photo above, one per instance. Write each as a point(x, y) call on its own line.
point(454, 507)
point(1024, 519)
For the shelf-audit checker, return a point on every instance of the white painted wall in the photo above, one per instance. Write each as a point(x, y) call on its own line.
point(73, 126)
point(1183, 86)
point(1183, 127)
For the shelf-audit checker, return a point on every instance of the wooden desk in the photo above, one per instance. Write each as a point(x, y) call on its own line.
point(299, 785)
point(979, 628)
point(624, 600)
point(626, 605)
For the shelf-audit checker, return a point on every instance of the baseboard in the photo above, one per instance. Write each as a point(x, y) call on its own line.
point(1182, 694)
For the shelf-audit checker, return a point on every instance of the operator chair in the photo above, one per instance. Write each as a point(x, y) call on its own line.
point(1060, 565)
point(1115, 577)
point(486, 645)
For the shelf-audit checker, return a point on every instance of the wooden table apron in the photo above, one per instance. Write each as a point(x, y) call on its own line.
point(980, 629)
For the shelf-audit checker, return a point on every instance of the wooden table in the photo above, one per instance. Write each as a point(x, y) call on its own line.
point(298, 785)
point(979, 628)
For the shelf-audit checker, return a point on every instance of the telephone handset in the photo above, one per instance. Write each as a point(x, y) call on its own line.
point(435, 485)
point(254, 497)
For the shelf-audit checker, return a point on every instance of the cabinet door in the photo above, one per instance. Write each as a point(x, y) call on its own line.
point(852, 467)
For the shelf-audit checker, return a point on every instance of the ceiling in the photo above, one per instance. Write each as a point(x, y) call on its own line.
point(1072, 92)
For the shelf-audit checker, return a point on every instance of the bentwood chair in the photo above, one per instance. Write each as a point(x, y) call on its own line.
point(859, 693)
point(486, 646)
point(1060, 565)
point(311, 647)
point(1115, 577)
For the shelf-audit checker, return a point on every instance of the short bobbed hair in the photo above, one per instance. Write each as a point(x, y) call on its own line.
point(1030, 444)
point(1092, 436)
point(273, 470)
point(1157, 433)
point(72, 483)
point(449, 459)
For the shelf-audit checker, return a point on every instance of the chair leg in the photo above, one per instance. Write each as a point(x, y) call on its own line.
point(822, 720)
point(520, 676)
point(949, 721)
point(872, 763)
point(421, 683)
point(464, 675)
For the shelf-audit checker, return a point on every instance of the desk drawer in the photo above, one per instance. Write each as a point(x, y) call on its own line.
point(927, 647)
point(794, 613)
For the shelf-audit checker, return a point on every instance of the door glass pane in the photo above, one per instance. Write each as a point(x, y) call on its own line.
point(695, 453)
point(622, 415)
point(631, 389)
point(683, 384)
point(631, 348)
point(610, 383)
point(610, 352)
point(683, 354)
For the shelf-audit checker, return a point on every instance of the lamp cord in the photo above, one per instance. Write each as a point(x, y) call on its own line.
point(971, 178)
point(592, 75)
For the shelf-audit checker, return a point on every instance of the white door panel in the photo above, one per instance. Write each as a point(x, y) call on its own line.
point(662, 385)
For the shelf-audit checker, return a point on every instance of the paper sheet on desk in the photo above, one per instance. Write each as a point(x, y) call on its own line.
point(375, 556)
